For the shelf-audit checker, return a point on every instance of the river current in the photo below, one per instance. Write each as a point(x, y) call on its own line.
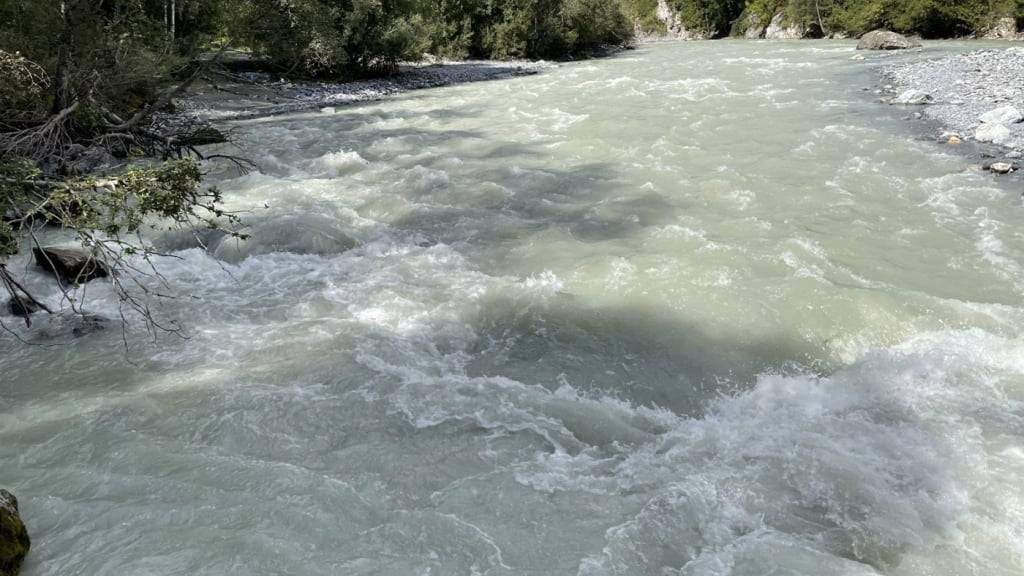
point(696, 309)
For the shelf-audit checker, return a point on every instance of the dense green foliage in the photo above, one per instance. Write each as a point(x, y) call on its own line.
point(929, 18)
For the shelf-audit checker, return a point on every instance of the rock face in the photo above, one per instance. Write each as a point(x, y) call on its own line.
point(675, 26)
point(70, 265)
point(14, 541)
point(1004, 29)
point(886, 40)
point(750, 26)
point(778, 30)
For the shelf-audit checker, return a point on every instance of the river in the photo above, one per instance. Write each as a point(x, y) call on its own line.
point(696, 309)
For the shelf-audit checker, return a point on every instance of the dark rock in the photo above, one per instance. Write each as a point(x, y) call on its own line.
point(886, 40)
point(68, 325)
point(14, 540)
point(21, 307)
point(89, 160)
point(70, 265)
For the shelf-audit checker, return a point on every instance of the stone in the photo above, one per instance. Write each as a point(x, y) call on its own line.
point(886, 40)
point(14, 540)
point(778, 30)
point(674, 24)
point(954, 141)
point(71, 265)
point(913, 97)
point(21, 307)
point(1003, 115)
point(994, 133)
point(751, 26)
point(1003, 29)
point(68, 325)
point(1001, 167)
point(88, 161)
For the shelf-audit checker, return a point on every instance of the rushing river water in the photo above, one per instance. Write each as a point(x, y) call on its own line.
point(699, 309)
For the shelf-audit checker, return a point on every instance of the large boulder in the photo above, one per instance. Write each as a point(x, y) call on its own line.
point(20, 307)
point(71, 265)
point(14, 541)
point(778, 29)
point(994, 133)
point(1003, 115)
point(83, 161)
point(886, 40)
point(674, 24)
point(1004, 29)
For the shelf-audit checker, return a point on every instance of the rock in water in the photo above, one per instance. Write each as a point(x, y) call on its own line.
point(1003, 115)
point(913, 97)
point(14, 541)
point(20, 307)
point(886, 40)
point(994, 133)
point(71, 265)
point(1001, 168)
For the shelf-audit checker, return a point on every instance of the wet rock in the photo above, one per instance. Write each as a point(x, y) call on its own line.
point(779, 30)
point(1003, 115)
point(913, 97)
point(88, 161)
point(21, 307)
point(994, 133)
point(68, 325)
point(886, 40)
point(1001, 167)
point(71, 265)
point(14, 540)
point(954, 141)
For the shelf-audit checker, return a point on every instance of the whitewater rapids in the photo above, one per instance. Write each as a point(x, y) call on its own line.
point(698, 309)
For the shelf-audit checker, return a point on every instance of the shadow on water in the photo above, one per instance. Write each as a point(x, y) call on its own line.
point(632, 353)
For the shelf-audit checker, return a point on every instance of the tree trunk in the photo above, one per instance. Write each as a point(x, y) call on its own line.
point(174, 18)
point(60, 85)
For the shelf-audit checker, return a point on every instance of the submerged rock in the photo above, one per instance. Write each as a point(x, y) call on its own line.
point(14, 540)
point(71, 265)
point(20, 307)
point(69, 325)
point(1001, 167)
point(886, 40)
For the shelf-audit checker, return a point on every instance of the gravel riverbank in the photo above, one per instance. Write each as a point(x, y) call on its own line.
point(959, 90)
point(221, 96)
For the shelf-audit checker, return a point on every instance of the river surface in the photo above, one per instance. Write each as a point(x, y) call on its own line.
point(698, 309)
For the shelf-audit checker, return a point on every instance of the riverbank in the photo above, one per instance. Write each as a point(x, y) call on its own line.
point(961, 91)
point(220, 96)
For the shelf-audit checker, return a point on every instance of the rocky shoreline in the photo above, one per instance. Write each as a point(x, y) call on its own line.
point(222, 96)
point(974, 96)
